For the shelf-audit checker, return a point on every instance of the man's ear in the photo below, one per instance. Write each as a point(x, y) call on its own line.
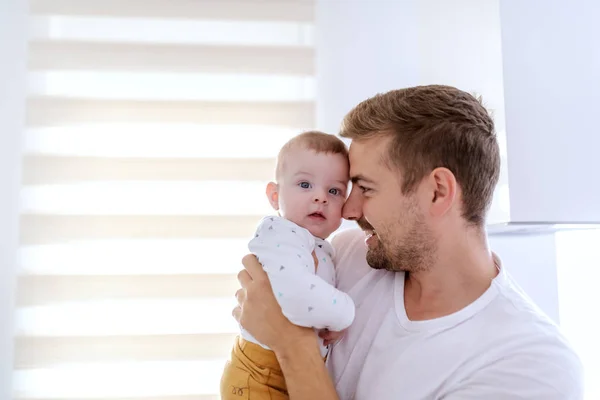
point(442, 188)
point(273, 195)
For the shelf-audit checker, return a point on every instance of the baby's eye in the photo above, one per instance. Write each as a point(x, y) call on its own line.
point(304, 185)
point(335, 191)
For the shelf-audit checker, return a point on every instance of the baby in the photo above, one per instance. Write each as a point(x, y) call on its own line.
point(310, 190)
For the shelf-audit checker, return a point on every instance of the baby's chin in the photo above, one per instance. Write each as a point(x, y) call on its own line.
point(322, 231)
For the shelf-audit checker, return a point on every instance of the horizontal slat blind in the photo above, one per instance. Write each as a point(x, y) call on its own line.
point(46, 170)
point(152, 129)
point(236, 10)
point(43, 352)
point(199, 397)
point(60, 111)
point(40, 290)
point(40, 229)
point(61, 55)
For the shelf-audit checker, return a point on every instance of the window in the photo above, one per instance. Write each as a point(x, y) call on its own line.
point(152, 127)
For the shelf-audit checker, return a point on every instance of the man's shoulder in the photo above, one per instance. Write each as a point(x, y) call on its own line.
point(534, 367)
point(540, 363)
point(517, 315)
point(529, 343)
point(542, 340)
point(518, 352)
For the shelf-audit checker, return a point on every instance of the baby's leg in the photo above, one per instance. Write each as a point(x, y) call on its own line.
point(252, 374)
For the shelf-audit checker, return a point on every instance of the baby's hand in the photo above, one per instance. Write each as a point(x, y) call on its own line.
point(330, 337)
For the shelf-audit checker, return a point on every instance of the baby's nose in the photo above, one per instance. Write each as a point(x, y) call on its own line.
point(320, 199)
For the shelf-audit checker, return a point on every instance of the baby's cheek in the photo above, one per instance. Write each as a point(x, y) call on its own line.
point(336, 210)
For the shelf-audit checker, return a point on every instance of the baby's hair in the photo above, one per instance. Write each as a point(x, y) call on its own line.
point(317, 141)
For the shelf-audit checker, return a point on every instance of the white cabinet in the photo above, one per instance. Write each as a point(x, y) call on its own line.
point(540, 77)
point(551, 58)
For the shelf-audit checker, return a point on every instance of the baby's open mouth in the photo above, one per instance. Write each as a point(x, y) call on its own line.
point(317, 215)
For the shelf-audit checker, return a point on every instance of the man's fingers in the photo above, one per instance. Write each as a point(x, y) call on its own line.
point(329, 337)
point(253, 267)
point(237, 313)
point(240, 295)
point(244, 278)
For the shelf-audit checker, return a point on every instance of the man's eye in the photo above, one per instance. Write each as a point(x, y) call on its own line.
point(304, 185)
point(363, 189)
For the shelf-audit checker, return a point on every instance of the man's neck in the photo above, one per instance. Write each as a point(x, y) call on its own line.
point(461, 273)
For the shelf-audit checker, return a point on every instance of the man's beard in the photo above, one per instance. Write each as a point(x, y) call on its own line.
point(412, 253)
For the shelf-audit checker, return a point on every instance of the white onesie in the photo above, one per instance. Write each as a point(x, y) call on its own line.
point(307, 297)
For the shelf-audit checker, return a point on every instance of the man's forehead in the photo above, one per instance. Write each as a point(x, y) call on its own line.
point(376, 144)
point(363, 171)
point(367, 153)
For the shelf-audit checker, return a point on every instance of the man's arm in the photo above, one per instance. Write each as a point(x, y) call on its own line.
point(296, 347)
point(304, 370)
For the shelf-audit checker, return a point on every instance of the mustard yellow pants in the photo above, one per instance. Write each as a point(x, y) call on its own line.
point(252, 373)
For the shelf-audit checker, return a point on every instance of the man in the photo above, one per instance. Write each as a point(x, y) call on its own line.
point(437, 315)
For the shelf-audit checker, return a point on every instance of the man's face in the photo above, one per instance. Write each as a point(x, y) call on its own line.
point(398, 236)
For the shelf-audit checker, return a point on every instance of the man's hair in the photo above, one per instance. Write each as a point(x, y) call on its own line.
point(434, 126)
point(316, 141)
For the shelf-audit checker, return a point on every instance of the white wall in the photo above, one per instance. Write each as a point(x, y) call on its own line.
point(365, 47)
point(531, 260)
point(12, 107)
point(551, 68)
point(370, 46)
point(578, 262)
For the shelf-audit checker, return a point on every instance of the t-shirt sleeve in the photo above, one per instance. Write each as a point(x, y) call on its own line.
point(542, 373)
point(285, 251)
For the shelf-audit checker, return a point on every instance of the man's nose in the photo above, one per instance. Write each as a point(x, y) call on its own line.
point(353, 206)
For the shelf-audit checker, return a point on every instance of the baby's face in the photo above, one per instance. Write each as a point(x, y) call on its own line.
point(312, 190)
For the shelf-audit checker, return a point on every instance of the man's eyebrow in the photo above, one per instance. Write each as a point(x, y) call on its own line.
point(360, 177)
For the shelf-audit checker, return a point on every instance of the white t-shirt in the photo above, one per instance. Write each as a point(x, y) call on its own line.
point(307, 297)
point(499, 347)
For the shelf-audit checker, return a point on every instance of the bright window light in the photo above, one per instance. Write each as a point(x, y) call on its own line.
point(180, 31)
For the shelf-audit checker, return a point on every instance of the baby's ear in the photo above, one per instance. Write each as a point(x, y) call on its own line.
point(273, 195)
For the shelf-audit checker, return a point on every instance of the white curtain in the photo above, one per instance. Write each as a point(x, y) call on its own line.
point(151, 131)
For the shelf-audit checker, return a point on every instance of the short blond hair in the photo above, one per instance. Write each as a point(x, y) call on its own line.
point(434, 126)
point(319, 142)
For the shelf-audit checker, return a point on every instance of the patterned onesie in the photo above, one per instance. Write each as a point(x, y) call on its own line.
point(307, 297)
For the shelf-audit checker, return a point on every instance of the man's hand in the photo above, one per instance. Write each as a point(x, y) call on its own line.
point(295, 347)
point(330, 337)
point(258, 311)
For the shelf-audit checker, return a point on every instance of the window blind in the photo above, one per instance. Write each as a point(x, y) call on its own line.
point(152, 127)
